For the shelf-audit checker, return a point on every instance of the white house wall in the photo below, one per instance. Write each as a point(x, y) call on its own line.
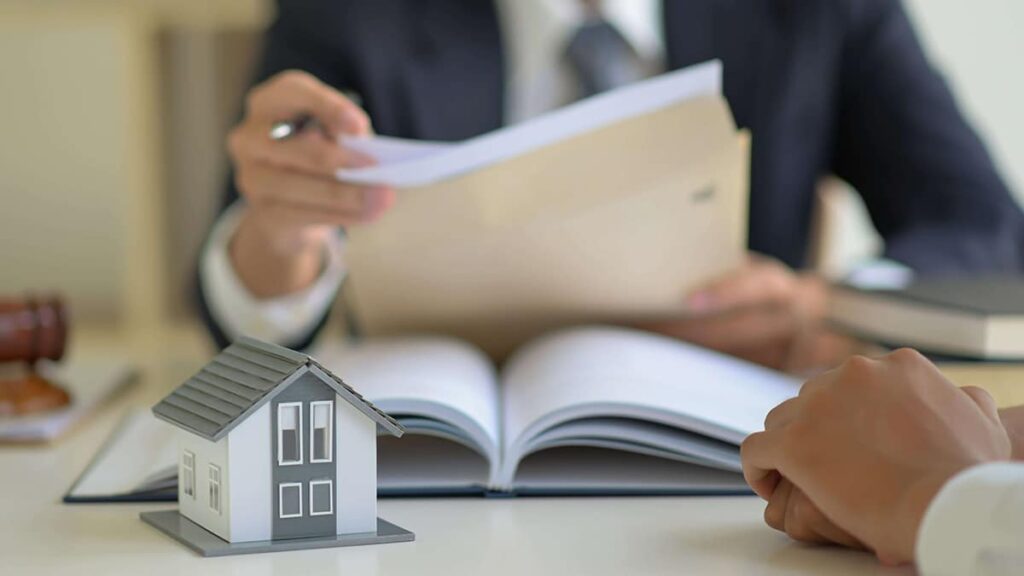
point(356, 460)
point(197, 507)
point(250, 451)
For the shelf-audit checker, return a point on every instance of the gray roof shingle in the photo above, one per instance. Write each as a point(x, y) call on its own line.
point(242, 378)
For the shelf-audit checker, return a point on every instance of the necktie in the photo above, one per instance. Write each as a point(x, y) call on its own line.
point(602, 58)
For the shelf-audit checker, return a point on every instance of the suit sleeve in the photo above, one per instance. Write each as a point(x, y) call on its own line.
point(930, 185)
point(288, 44)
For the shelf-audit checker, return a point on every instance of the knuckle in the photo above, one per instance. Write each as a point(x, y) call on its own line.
point(908, 357)
point(856, 368)
point(748, 444)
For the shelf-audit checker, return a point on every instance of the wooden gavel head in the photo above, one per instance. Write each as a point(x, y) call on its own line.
point(32, 329)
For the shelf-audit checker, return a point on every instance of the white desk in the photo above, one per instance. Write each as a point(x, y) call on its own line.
point(678, 536)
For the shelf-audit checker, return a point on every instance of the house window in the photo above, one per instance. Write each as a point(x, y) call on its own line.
point(321, 498)
point(215, 488)
point(289, 496)
point(188, 474)
point(289, 433)
point(320, 431)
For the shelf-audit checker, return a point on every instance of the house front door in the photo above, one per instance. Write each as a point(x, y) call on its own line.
point(302, 425)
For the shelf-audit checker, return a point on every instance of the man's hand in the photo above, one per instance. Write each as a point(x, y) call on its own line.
point(293, 201)
point(763, 312)
point(859, 455)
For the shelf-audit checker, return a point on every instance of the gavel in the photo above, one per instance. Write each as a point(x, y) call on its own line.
point(31, 329)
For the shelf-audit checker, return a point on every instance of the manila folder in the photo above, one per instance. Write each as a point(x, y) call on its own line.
point(614, 225)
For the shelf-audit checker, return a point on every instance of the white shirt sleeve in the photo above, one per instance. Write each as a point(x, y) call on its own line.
point(281, 320)
point(975, 525)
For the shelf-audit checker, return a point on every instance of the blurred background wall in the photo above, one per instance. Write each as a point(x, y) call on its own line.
point(114, 114)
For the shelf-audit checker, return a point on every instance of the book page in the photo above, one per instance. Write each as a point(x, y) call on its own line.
point(418, 465)
point(604, 372)
point(139, 456)
point(588, 470)
point(425, 378)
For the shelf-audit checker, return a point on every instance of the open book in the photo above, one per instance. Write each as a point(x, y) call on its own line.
point(592, 410)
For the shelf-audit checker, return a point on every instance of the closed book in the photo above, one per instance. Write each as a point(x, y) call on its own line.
point(980, 318)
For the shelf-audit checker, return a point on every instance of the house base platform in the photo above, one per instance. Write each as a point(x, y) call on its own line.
point(206, 543)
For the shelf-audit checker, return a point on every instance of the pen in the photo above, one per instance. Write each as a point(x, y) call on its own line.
point(289, 128)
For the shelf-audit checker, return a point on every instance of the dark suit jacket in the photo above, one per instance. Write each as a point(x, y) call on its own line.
point(825, 86)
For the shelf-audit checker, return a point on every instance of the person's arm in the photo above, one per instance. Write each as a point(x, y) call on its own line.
point(286, 320)
point(929, 184)
point(291, 207)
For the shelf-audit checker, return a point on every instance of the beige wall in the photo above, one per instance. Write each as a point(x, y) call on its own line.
point(91, 175)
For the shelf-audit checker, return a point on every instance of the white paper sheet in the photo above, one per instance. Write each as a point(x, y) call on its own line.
point(408, 163)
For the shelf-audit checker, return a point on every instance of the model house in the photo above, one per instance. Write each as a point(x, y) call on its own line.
point(273, 446)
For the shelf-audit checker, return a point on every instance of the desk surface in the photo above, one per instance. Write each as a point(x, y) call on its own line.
point(39, 535)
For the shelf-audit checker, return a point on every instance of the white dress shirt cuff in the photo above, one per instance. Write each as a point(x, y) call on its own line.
point(975, 525)
point(880, 274)
point(283, 320)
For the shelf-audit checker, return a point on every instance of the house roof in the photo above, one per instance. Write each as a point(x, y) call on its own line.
point(242, 378)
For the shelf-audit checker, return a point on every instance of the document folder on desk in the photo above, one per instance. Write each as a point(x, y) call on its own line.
point(607, 210)
point(586, 411)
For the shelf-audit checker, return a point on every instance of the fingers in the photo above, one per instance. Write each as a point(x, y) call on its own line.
point(323, 200)
point(782, 414)
point(828, 378)
point(309, 152)
point(733, 331)
point(803, 521)
point(762, 281)
point(775, 510)
point(761, 454)
point(294, 92)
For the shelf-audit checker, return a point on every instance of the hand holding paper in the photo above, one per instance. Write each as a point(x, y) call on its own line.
point(293, 201)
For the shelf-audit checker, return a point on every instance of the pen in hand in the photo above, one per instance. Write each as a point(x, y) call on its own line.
point(286, 129)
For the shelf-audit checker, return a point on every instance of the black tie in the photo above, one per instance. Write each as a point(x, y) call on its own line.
point(602, 58)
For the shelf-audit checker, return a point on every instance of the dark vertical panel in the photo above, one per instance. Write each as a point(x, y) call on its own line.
point(308, 388)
